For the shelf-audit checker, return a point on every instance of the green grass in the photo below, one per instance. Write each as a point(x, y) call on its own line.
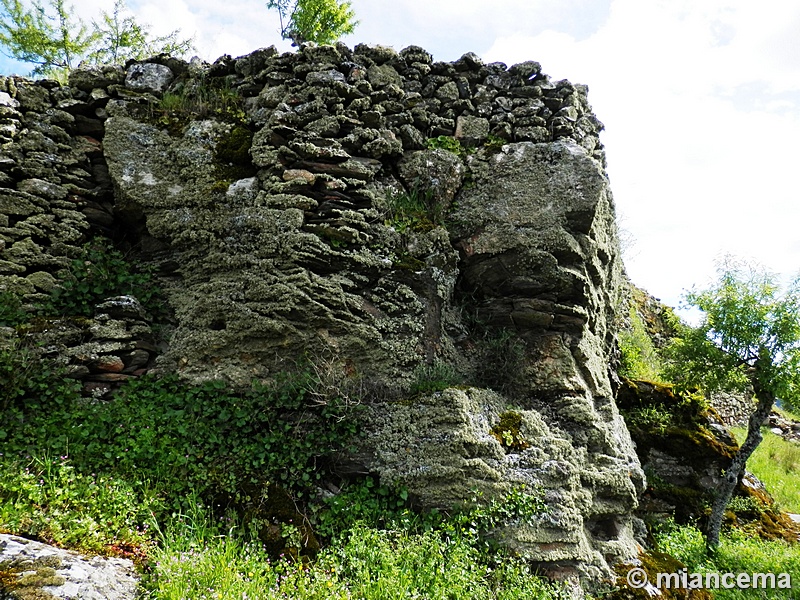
point(736, 554)
point(197, 560)
point(47, 498)
point(776, 462)
point(146, 474)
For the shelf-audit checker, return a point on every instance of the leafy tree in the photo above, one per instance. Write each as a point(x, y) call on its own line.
point(120, 38)
point(319, 21)
point(52, 39)
point(748, 340)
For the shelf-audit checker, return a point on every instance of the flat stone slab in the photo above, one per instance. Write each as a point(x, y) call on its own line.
point(62, 573)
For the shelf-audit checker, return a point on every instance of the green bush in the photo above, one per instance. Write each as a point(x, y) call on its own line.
point(189, 439)
point(30, 386)
point(368, 503)
point(98, 273)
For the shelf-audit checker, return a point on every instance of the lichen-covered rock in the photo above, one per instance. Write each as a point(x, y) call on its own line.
point(148, 77)
point(539, 257)
point(31, 569)
point(301, 215)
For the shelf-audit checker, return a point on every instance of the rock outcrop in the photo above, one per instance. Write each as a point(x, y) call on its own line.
point(30, 569)
point(400, 218)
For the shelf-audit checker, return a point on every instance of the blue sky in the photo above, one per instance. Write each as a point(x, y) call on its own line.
point(700, 102)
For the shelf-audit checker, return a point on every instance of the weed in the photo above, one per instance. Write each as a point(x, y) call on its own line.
point(450, 144)
point(197, 560)
point(639, 359)
point(500, 360)
point(654, 418)
point(737, 553)
point(29, 385)
point(232, 155)
point(48, 499)
point(494, 144)
point(12, 312)
point(98, 273)
point(415, 210)
point(369, 503)
point(190, 439)
point(434, 377)
point(198, 99)
point(507, 432)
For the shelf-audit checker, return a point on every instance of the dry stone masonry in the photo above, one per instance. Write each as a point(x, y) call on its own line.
point(392, 215)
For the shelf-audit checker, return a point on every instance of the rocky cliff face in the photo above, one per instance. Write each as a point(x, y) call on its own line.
point(443, 231)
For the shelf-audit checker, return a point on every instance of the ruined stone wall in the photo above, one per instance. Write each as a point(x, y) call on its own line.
point(55, 194)
point(394, 216)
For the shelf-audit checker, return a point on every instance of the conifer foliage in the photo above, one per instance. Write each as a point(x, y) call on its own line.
point(53, 39)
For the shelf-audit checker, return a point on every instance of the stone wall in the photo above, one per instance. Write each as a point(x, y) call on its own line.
point(55, 194)
point(375, 209)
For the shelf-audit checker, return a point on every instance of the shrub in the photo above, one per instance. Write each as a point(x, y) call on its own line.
point(11, 311)
point(366, 502)
point(98, 273)
point(30, 386)
point(190, 439)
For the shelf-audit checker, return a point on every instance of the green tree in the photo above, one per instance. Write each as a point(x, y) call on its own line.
point(748, 340)
point(54, 40)
point(48, 37)
point(119, 38)
point(319, 21)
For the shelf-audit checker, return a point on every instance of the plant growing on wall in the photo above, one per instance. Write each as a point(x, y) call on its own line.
point(749, 339)
point(98, 273)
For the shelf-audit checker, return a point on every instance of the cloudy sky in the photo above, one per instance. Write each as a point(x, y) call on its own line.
point(700, 100)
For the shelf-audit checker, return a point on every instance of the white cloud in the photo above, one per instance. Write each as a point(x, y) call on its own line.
point(701, 152)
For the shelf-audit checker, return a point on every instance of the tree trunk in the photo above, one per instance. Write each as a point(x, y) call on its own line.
point(736, 469)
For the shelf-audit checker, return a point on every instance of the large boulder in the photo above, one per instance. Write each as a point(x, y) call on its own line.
point(540, 263)
point(303, 233)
